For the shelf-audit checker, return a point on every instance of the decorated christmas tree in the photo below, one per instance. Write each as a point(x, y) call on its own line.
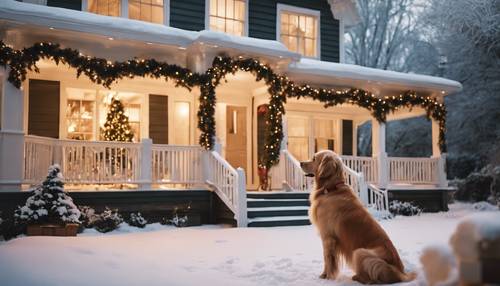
point(117, 127)
point(49, 203)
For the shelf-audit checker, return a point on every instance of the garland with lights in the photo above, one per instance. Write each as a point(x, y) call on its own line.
point(103, 72)
point(280, 87)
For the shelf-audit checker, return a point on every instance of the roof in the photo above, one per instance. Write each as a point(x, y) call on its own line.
point(70, 24)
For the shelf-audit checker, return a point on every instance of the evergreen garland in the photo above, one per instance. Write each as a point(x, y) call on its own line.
point(104, 72)
point(117, 127)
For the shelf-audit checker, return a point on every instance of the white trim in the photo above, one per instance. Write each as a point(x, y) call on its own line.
point(85, 5)
point(341, 40)
point(303, 11)
point(207, 17)
point(166, 12)
point(124, 9)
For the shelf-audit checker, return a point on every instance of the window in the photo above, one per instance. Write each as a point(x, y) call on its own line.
point(298, 30)
point(181, 122)
point(146, 10)
point(80, 115)
point(298, 137)
point(105, 7)
point(228, 16)
point(324, 133)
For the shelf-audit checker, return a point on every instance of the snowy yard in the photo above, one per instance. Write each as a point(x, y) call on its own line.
point(208, 255)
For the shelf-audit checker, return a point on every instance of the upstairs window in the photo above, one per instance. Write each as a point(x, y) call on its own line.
point(299, 30)
point(105, 7)
point(228, 16)
point(146, 10)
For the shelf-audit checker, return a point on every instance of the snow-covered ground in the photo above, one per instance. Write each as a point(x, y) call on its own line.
point(207, 255)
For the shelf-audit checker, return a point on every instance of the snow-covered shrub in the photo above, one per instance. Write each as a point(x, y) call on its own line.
point(379, 215)
point(49, 203)
point(484, 206)
point(137, 220)
point(480, 186)
point(179, 221)
point(87, 216)
point(404, 208)
point(495, 187)
point(107, 221)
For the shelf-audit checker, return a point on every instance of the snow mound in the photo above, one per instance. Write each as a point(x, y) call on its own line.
point(473, 229)
point(484, 206)
point(439, 265)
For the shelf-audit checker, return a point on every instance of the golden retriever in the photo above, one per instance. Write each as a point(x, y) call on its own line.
point(348, 231)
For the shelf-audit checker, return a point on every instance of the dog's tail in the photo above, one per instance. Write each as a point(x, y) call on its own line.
point(370, 269)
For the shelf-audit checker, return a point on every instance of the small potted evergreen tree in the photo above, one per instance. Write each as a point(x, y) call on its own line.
point(49, 210)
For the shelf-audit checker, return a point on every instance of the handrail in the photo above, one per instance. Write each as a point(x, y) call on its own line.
point(378, 198)
point(228, 183)
point(294, 175)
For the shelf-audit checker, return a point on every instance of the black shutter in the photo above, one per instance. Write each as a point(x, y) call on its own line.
point(347, 142)
point(68, 4)
point(43, 109)
point(158, 118)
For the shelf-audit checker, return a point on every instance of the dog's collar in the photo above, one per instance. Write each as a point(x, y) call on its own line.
point(340, 183)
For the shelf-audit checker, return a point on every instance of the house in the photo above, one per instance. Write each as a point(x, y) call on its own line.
point(222, 95)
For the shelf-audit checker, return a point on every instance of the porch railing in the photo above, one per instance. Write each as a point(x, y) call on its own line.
point(177, 164)
point(294, 176)
point(413, 170)
point(94, 162)
point(365, 165)
point(228, 183)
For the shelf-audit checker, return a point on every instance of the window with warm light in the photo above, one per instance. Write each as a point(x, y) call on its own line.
point(182, 113)
point(298, 137)
point(146, 10)
point(228, 16)
point(299, 32)
point(105, 7)
point(324, 134)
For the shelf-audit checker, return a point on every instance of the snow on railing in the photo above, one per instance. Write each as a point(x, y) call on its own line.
point(378, 198)
point(228, 183)
point(365, 165)
point(294, 175)
point(173, 164)
point(413, 170)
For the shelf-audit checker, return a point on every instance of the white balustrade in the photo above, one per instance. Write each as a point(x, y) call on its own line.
point(378, 198)
point(413, 170)
point(294, 176)
point(38, 156)
point(177, 164)
point(365, 165)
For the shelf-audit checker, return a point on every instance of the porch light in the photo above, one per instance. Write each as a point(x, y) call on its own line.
point(111, 38)
point(51, 28)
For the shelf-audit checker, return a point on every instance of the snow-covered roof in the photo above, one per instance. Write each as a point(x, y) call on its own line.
point(346, 73)
point(24, 17)
point(123, 28)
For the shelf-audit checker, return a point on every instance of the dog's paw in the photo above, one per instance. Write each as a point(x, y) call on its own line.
point(360, 279)
point(323, 275)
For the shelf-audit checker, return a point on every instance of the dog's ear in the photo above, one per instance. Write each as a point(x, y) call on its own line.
point(326, 167)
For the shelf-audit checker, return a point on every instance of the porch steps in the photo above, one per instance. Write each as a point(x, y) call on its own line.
point(277, 209)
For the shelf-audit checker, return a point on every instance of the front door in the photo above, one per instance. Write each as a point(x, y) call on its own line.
point(236, 139)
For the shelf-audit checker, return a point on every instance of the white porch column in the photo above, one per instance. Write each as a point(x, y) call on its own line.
point(436, 153)
point(378, 151)
point(11, 134)
point(146, 163)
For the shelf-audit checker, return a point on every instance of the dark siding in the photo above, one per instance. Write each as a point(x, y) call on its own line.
point(68, 4)
point(158, 118)
point(187, 14)
point(43, 114)
point(262, 23)
point(347, 129)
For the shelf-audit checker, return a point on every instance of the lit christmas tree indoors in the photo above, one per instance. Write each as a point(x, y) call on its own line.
point(117, 127)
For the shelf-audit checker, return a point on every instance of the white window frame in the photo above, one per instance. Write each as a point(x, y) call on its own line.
point(304, 11)
point(207, 17)
point(124, 10)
